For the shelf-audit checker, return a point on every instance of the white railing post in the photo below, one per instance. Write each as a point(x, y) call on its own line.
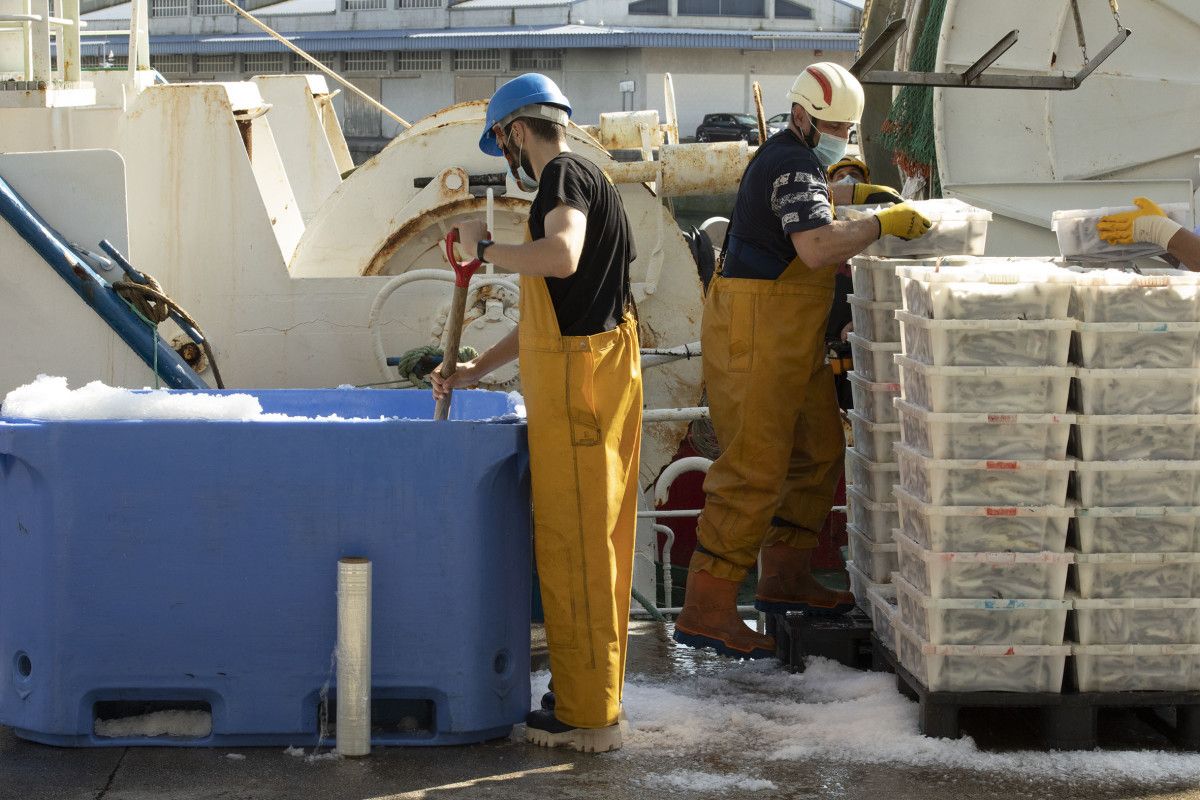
point(68, 42)
point(40, 31)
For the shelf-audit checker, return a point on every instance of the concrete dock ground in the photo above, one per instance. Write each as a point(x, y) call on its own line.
point(702, 727)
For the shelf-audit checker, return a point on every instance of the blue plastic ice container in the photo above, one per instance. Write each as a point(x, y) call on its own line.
point(192, 565)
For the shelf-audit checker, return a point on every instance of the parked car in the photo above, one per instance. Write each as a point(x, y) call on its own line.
point(728, 128)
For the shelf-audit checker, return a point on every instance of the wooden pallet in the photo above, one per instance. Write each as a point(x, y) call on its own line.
point(1068, 720)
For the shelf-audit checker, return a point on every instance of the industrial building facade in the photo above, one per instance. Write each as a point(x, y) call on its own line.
point(417, 56)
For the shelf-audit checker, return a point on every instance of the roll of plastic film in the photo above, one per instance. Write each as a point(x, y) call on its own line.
point(354, 657)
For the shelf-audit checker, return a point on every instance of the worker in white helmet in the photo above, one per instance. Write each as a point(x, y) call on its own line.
point(1150, 224)
point(770, 393)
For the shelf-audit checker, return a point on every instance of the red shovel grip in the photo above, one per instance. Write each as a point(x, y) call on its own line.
point(462, 272)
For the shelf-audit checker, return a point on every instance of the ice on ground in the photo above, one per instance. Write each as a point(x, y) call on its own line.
point(693, 781)
point(182, 724)
point(235, 756)
point(309, 758)
point(295, 752)
point(754, 712)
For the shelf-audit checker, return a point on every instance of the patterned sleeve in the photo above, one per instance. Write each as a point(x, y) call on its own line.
point(800, 199)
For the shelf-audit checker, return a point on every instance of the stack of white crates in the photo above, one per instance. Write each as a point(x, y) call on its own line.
point(1138, 474)
point(871, 467)
point(985, 379)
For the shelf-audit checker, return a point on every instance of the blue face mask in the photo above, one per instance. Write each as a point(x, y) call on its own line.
point(829, 150)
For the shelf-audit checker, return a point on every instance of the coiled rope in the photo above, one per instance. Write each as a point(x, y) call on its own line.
point(154, 306)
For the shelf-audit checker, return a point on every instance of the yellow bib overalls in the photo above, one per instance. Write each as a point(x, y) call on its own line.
point(583, 397)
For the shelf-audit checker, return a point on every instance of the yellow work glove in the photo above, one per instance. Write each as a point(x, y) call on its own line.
point(1148, 223)
point(865, 193)
point(903, 221)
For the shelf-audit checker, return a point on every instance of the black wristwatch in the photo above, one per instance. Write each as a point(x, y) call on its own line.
point(484, 244)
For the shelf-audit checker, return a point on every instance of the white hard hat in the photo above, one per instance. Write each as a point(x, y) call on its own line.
point(828, 91)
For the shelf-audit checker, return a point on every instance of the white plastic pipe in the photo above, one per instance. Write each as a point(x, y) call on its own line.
point(354, 657)
point(673, 470)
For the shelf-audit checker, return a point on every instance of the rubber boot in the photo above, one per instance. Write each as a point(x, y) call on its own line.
point(787, 584)
point(710, 619)
point(545, 730)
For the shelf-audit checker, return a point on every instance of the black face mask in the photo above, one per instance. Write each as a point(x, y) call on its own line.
point(811, 137)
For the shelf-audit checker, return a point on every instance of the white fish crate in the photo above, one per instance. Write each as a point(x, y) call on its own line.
point(959, 621)
point(1134, 437)
point(877, 560)
point(986, 342)
point(860, 586)
point(1079, 238)
point(1137, 483)
point(1152, 295)
point(1126, 345)
point(874, 320)
point(873, 399)
point(983, 529)
point(957, 229)
point(982, 667)
point(884, 613)
point(876, 520)
point(876, 279)
point(1159, 575)
point(999, 482)
point(874, 440)
point(1138, 529)
point(989, 288)
point(984, 576)
point(1136, 391)
point(981, 435)
point(994, 390)
point(874, 479)
point(875, 361)
point(1138, 621)
point(1137, 667)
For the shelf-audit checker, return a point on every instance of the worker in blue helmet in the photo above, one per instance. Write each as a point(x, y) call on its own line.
point(581, 377)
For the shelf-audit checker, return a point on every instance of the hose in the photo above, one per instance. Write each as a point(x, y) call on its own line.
point(650, 608)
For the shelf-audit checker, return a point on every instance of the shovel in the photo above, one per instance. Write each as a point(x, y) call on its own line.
point(458, 307)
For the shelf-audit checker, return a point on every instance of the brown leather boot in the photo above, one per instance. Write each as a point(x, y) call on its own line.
point(710, 619)
point(787, 584)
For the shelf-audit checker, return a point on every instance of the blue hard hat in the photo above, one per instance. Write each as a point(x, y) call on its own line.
point(524, 90)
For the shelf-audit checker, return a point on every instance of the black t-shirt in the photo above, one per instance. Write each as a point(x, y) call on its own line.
point(783, 191)
point(593, 300)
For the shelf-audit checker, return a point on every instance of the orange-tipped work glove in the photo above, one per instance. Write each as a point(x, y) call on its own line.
point(903, 221)
point(1148, 223)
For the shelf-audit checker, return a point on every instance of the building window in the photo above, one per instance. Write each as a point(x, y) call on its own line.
point(168, 8)
point(366, 61)
point(262, 63)
point(212, 7)
point(364, 5)
point(790, 9)
point(721, 8)
point(171, 65)
point(414, 61)
point(418, 3)
point(649, 7)
point(216, 64)
point(477, 61)
point(536, 59)
point(330, 60)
